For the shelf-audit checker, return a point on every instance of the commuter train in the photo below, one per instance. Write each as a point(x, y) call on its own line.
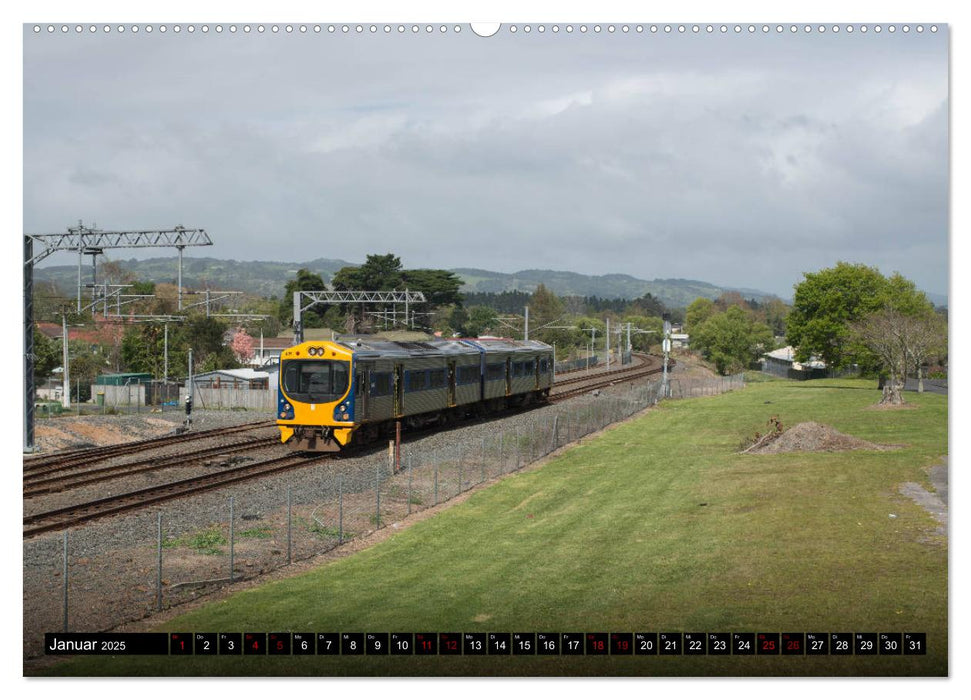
point(333, 393)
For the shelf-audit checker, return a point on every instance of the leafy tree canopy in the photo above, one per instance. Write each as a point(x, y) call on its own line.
point(732, 339)
point(827, 302)
point(440, 287)
point(47, 355)
point(305, 281)
point(698, 311)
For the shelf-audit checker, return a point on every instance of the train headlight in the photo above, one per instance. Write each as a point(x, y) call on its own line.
point(312, 351)
point(345, 416)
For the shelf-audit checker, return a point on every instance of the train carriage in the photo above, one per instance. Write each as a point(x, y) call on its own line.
point(331, 391)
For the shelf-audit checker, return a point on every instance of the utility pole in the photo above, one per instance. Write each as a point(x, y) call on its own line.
point(65, 365)
point(607, 342)
point(593, 343)
point(526, 332)
point(180, 248)
point(666, 346)
point(165, 361)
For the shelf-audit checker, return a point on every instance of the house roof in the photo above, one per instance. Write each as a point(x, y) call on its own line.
point(788, 354)
point(244, 373)
point(273, 343)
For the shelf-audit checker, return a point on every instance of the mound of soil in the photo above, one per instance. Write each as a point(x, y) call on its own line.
point(812, 437)
point(89, 431)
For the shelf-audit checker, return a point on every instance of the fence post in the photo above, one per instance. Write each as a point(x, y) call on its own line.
point(377, 492)
point(518, 448)
point(410, 473)
point(340, 502)
point(556, 431)
point(436, 483)
point(501, 470)
point(289, 526)
point(65, 580)
point(232, 542)
point(459, 459)
point(158, 573)
point(482, 471)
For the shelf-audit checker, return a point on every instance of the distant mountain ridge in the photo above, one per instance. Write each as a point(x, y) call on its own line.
point(269, 278)
point(673, 292)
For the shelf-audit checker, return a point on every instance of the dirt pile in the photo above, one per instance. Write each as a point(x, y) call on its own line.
point(811, 437)
point(95, 431)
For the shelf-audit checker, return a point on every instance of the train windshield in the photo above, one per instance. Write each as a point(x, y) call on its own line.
point(315, 381)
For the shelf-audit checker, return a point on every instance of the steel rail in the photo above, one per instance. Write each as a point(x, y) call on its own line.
point(70, 516)
point(43, 484)
point(72, 458)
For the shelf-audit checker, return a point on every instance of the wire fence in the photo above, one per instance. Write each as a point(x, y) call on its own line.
point(96, 578)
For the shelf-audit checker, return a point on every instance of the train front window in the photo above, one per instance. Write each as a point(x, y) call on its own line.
point(315, 381)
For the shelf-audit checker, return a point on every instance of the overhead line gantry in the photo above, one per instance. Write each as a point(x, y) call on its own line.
point(86, 241)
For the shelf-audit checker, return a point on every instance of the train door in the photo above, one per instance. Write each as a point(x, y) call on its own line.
point(508, 376)
point(399, 390)
point(451, 383)
point(362, 393)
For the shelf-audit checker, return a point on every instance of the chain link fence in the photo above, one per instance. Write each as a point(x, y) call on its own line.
point(105, 574)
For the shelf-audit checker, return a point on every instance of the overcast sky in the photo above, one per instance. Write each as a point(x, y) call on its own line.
point(742, 160)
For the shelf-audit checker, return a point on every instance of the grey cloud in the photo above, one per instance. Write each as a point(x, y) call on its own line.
point(741, 162)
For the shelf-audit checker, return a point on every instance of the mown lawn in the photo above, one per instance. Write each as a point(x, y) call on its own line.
point(656, 525)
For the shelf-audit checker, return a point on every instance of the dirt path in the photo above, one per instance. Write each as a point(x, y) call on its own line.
point(934, 503)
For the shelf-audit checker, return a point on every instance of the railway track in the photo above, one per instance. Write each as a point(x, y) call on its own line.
point(639, 363)
point(78, 457)
point(42, 483)
point(575, 387)
point(71, 516)
point(46, 476)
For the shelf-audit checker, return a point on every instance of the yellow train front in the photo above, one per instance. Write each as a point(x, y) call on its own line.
point(334, 392)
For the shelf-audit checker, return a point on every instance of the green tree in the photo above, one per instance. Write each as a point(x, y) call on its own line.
point(824, 306)
point(774, 312)
point(481, 321)
point(47, 356)
point(87, 362)
point(647, 305)
point(544, 308)
point(732, 339)
point(382, 273)
point(648, 332)
point(440, 287)
point(305, 281)
point(143, 350)
point(206, 338)
point(698, 311)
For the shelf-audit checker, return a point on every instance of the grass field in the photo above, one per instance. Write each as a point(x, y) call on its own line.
point(654, 525)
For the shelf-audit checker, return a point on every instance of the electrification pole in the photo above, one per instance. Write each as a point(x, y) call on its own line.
point(666, 346)
point(607, 343)
point(65, 365)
